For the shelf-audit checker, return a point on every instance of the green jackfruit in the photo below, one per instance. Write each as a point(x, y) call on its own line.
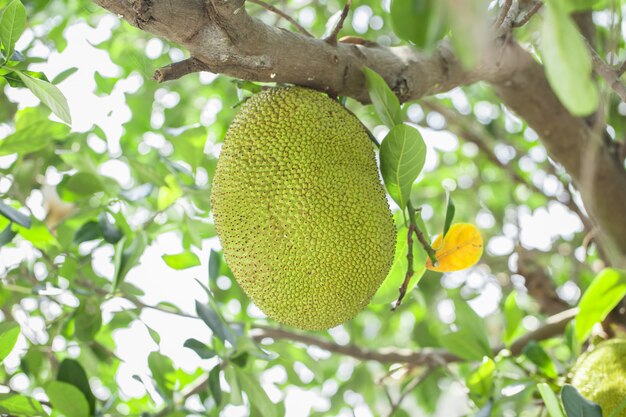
point(600, 375)
point(300, 210)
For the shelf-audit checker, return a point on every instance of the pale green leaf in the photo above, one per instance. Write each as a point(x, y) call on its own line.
point(67, 399)
point(385, 101)
point(49, 95)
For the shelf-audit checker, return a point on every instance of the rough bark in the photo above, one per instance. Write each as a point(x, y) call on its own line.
point(223, 38)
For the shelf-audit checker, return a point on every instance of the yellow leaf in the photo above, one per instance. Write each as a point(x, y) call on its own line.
point(462, 248)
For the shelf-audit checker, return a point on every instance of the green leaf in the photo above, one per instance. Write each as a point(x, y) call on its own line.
point(385, 101)
point(62, 76)
point(163, 374)
point(578, 406)
point(219, 328)
point(182, 260)
point(72, 372)
point(214, 384)
point(536, 354)
point(604, 293)
point(12, 25)
point(419, 21)
point(200, 348)
point(49, 95)
point(389, 289)
point(480, 382)
point(617, 410)
point(214, 265)
point(550, 400)
point(235, 389)
point(567, 61)
point(67, 399)
point(20, 406)
point(168, 194)
point(470, 340)
point(450, 210)
point(402, 157)
point(14, 215)
point(33, 137)
point(88, 231)
point(9, 332)
point(127, 255)
point(7, 234)
point(110, 233)
point(84, 184)
point(87, 319)
point(256, 395)
point(513, 316)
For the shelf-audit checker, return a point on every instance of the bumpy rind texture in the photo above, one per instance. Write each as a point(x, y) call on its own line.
point(300, 210)
point(600, 375)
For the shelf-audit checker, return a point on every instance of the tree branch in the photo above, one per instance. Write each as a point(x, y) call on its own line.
point(227, 40)
point(424, 356)
point(609, 74)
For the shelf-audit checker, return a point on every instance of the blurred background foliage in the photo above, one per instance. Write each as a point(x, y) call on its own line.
point(133, 175)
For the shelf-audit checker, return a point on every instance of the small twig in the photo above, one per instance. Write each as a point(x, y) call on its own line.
point(607, 72)
point(332, 38)
point(409, 388)
point(409, 270)
point(432, 254)
point(503, 13)
point(179, 69)
point(621, 69)
point(282, 14)
point(526, 16)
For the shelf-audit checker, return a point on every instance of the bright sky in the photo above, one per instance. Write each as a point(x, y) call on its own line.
point(538, 229)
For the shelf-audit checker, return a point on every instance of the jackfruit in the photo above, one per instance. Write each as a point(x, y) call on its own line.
point(600, 375)
point(299, 208)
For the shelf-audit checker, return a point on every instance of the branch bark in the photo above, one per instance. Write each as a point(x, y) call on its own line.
point(221, 35)
point(553, 326)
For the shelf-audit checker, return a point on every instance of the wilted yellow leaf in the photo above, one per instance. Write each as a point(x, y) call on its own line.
point(462, 248)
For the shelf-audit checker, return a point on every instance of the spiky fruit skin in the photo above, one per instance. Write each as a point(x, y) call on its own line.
point(299, 208)
point(600, 375)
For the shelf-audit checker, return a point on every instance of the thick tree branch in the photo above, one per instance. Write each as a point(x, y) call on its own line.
point(553, 326)
point(220, 34)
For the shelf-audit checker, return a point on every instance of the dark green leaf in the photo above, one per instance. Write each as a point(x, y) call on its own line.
point(72, 372)
point(14, 215)
point(604, 293)
point(67, 399)
point(214, 265)
point(200, 348)
point(219, 328)
point(450, 210)
point(7, 235)
point(214, 384)
point(402, 157)
point(578, 406)
point(385, 101)
point(111, 233)
point(9, 332)
point(88, 231)
point(127, 254)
